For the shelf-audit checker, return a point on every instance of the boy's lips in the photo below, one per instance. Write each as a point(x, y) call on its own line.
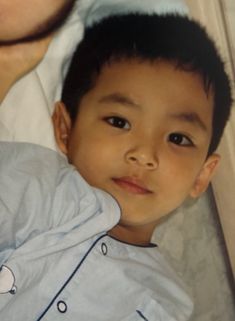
point(132, 185)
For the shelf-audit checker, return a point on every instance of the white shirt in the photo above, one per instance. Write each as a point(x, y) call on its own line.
point(57, 261)
point(25, 113)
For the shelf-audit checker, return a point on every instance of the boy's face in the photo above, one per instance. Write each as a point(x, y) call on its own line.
point(142, 134)
point(21, 19)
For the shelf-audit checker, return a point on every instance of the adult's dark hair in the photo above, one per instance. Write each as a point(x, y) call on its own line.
point(172, 38)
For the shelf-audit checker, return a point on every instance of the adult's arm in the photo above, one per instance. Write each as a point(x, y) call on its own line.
point(19, 59)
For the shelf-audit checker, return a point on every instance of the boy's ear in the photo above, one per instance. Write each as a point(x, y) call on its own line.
point(62, 126)
point(204, 177)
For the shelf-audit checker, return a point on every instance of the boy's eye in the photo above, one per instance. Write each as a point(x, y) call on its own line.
point(118, 122)
point(180, 139)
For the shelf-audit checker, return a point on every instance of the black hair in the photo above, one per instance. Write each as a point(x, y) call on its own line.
point(173, 38)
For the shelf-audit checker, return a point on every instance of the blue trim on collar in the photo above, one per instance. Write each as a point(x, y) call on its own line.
point(150, 245)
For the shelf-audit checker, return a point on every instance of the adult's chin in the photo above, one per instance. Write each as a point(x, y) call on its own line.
point(27, 20)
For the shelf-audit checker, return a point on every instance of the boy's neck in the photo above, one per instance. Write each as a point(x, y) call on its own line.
point(136, 235)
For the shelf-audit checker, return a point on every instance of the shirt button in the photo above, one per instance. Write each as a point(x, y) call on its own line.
point(62, 306)
point(104, 249)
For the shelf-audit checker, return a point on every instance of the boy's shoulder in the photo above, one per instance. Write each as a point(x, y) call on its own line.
point(24, 163)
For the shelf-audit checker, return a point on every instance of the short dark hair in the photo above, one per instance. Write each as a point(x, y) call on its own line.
point(173, 38)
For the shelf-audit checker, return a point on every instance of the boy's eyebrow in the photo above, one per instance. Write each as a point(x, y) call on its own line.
point(119, 98)
point(190, 117)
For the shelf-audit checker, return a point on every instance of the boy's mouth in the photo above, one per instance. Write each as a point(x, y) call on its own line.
point(132, 185)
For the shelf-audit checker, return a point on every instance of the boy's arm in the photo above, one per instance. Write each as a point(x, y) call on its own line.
point(18, 59)
point(30, 186)
point(41, 194)
point(25, 194)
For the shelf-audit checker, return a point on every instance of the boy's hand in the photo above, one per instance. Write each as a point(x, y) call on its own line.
point(18, 59)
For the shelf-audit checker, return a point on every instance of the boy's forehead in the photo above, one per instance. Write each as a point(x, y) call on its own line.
point(157, 71)
point(137, 84)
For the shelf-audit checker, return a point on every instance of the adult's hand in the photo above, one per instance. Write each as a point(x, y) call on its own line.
point(19, 59)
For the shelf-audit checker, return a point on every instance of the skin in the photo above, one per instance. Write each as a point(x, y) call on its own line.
point(18, 60)
point(21, 19)
point(22, 48)
point(142, 134)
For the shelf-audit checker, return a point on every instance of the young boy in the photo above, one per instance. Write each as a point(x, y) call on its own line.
point(147, 100)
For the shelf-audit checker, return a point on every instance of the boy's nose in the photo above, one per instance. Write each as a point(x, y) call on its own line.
point(142, 157)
